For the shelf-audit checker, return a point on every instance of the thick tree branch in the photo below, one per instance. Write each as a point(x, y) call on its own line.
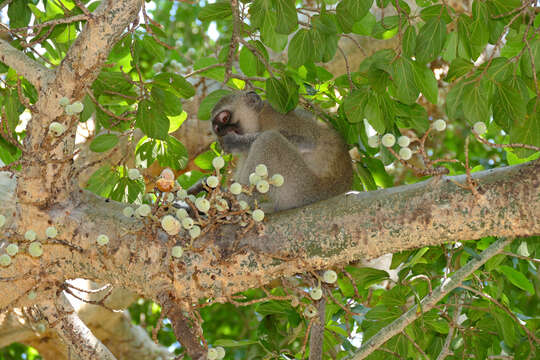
point(37, 74)
point(339, 230)
point(44, 183)
point(429, 301)
point(74, 332)
point(91, 48)
point(187, 330)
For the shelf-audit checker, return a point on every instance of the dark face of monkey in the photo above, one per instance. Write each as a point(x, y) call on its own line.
point(233, 113)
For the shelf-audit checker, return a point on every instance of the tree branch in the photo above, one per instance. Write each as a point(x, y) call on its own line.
point(336, 231)
point(74, 332)
point(429, 301)
point(187, 331)
point(316, 336)
point(37, 74)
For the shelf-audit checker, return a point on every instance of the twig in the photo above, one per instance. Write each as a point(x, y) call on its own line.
point(521, 257)
point(445, 351)
point(530, 335)
point(501, 146)
point(257, 53)
point(83, 8)
point(350, 37)
point(416, 346)
point(429, 301)
point(234, 41)
point(106, 111)
point(198, 71)
point(53, 23)
point(351, 85)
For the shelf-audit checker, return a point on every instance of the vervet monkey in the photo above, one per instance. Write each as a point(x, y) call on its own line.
point(310, 155)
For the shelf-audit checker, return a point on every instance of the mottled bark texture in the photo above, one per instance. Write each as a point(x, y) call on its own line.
point(343, 229)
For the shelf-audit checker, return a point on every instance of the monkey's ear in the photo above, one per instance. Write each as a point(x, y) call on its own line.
point(253, 98)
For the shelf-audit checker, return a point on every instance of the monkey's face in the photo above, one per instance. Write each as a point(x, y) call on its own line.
point(222, 123)
point(237, 113)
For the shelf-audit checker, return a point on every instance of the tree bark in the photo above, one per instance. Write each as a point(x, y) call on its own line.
point(340, 230)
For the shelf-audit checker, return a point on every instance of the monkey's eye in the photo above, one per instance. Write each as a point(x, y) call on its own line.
point(223, 117)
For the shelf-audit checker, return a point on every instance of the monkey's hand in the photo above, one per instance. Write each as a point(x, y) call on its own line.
point(236, 143)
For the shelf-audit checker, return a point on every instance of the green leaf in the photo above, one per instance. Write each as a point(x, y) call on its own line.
point(103, 181)
point(325, 23)
point(381, 177)
point(381, 313)
point(378, 79)
point(354, 105)
point(286, 13)
point(103, 142)
point(153, 47)
point(250, 64)
point(234, 343)
point(204, 160)
point(506, 326)
point(356, 9)
point(366, 276)
point(374, 114)
point(172, 153)
point(430, 41)
point(13, 109)
point(503, 7)
point(386, 28)
point(458, 68)
point(450, 47)
point(263, 16)
point(478, 29)
point(412, 116)
point(217, 73)
point(282, 94)
point(500, 69)
point(169, 103)
point(509, 103)
point(435, 11)
point(329, 44)
point(454, 100)
point(409, 41)
point(345, 21)
point(380, 112)
point(88, 110)
point(19, 14)
point(8, 152)
point(176, 84)
point(527, 130)
point(526, 61)
point(217, 11)
point(426, 82)
point(365, 25)
point(301, 48)
point(111, 81)
point(64, 33)
point(517, 278)
point(365, 177)
point(475, 102)
point(126, 190)
point(152, 121)
point(176, 121)
point(208, 103)
point(404, 79)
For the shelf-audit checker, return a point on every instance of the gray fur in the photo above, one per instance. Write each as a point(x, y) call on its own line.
point(310, 155)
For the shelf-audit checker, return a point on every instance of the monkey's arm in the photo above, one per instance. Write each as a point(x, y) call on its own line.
point(235, 143)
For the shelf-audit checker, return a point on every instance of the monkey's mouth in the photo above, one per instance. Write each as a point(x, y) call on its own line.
point(224, 129)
